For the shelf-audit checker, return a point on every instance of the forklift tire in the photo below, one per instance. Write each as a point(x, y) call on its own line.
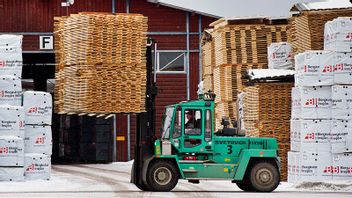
point(245, 186)
point(142, 186)
point(162, 175)
point(264, 177)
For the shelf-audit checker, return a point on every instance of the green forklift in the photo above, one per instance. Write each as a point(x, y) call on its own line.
point(190, 148)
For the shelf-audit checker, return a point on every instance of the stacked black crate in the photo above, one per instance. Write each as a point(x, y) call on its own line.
point(96, 133)
point(69, 138)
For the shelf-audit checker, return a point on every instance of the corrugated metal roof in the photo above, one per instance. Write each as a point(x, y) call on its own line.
point(321, 5)
point(240, 8)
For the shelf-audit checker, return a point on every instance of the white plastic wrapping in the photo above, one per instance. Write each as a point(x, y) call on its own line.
point(341, 136)
point(311, 135)
point(343, 68)
point(11, 174)
point(38, 107)
point(11, 55)
point(311, 102)
point(37, 166)
point(314, 68)
point(280, 56)
point(11, 121)
point(313, 166)
point(341, 102)
point(11, 151)
point(292, 175)
point(38, 139)
point(342, 166)
point(10, 91)
point(338, 35)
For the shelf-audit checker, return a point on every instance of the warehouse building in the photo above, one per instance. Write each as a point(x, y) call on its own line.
point(177, 33)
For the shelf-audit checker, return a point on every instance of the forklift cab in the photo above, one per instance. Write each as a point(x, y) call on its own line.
point(188, 126)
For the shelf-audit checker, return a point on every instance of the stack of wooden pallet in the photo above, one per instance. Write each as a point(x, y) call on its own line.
point(101, 66)
point(267, 112)
point(307, 28)
point(237, 45)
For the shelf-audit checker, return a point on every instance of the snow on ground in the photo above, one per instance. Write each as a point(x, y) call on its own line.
point(70, 182)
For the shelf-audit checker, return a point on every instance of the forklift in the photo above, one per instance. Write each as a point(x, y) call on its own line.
point(194, 151)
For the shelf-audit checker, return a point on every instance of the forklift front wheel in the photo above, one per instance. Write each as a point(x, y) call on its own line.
point(264, 177)
point(162, 175)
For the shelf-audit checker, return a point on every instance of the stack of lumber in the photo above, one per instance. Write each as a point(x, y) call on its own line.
point(267, 112)
point(101, 65)
point(208, 59)
point(307, 28)
point(231, 48)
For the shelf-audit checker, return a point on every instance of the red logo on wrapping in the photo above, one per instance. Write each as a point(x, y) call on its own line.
point(336, 169)
point(338, 67)
point(33, 110)
point(312, 101)
point(39, 140)
point(349, 170)
point(4, 150)
point(328, 169)
point(309, 136)
point(327, 69)
point(30, 168)
point(2, 63)
point(2, 93)
point(349, 35)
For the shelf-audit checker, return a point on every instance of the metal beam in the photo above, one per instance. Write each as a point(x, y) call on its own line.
point(127, 6)
point(172, 33)
point(187, 57)
point(200, 47)
point(113, 5)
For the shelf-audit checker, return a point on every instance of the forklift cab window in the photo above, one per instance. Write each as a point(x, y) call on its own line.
point(208, 126)
point(166, 122)
point(177, 125)
point(192, 122)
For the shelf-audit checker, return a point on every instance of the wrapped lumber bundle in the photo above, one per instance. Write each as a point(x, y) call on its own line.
point(267, 112)
point(307, 28)
point(101, 66)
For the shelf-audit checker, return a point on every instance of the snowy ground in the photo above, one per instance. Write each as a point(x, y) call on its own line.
point(112, 180)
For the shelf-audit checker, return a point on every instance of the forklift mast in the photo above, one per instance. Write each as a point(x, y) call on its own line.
point(145, 135)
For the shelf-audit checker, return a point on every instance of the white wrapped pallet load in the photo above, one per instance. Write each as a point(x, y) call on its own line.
point(38, 107)
point(343, 68)
point(311, 102)
point(314, 166)
point(38, 139)
point(11, 151)
point(11, 55)
point(311, 135)
point(12, 174)
point(10, 91)
point(11, 121)
point(338, 35)
point(341, 102)
point(37, 166)
point(342, 166)
point(280, 56)
point(292, 175)
point(341, 136)
point(314, 68)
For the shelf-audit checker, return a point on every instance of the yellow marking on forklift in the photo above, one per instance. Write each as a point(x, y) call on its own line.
point(226, 170)
point(227, 160)
point(120, 138)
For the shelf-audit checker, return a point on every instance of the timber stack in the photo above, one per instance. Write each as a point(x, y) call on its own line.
point(101, 64)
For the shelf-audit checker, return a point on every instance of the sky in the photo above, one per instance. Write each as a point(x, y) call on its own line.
point(244, 8)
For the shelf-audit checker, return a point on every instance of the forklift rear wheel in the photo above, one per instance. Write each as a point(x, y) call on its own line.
point(162, 175)
point(264, 177)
